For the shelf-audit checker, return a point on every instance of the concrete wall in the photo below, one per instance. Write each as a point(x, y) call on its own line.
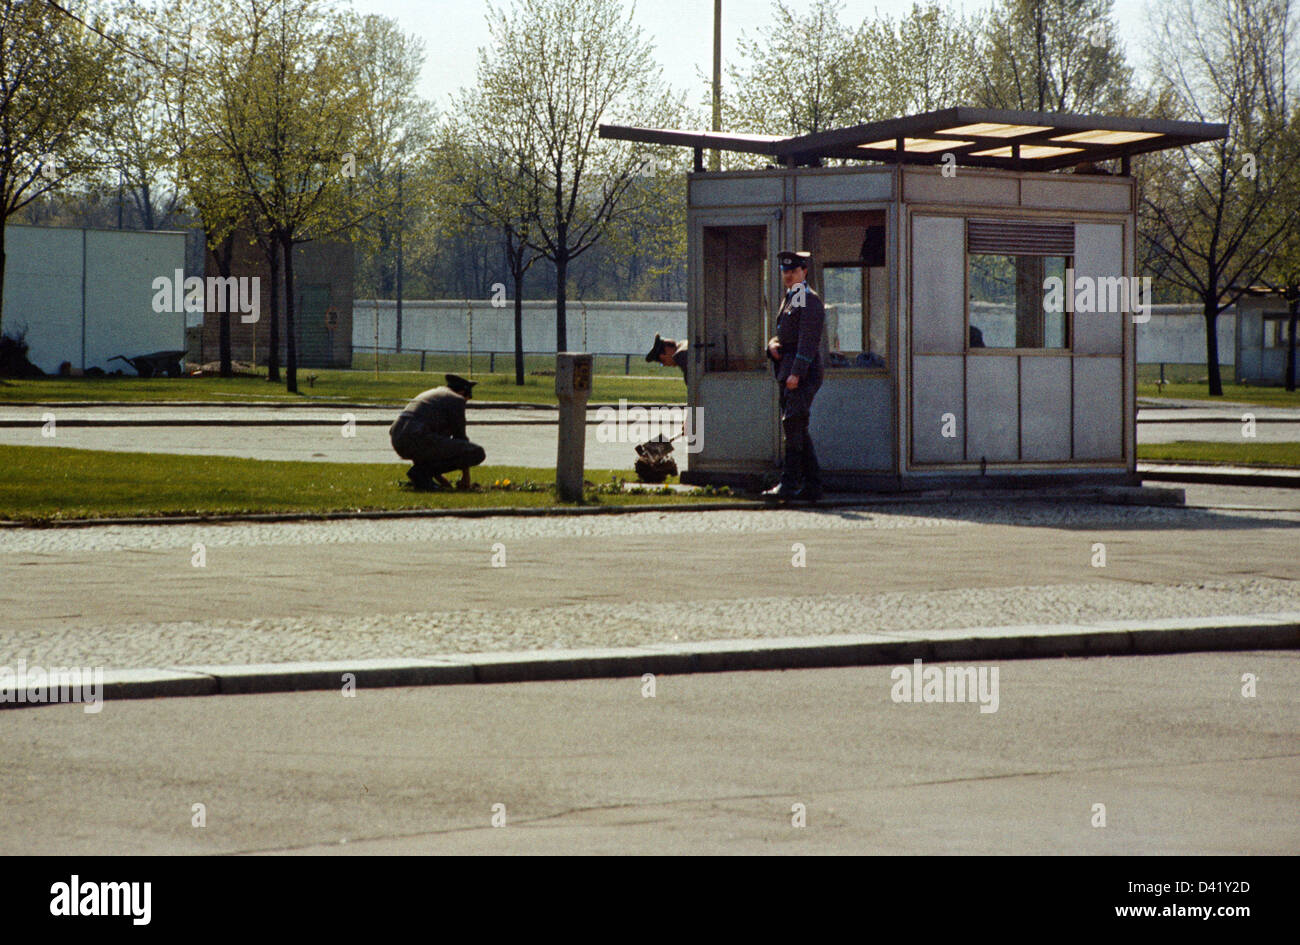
point(86, 295)
point(1176, 335)
point(444, 325)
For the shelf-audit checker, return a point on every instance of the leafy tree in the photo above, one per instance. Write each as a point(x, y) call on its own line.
point(801, 74)
point(55, 108)
point(287, 103)
point(394, 177)
point(560, 68)
point(1214, 223)
point(1054, 56)
point(923, 62)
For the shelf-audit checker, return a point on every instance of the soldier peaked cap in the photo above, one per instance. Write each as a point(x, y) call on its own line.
point(789, 259)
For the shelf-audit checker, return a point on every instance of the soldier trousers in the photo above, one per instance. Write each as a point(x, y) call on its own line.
point(801, 468)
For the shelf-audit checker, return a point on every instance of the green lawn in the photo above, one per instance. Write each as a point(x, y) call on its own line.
point(43, 483)
point(1232, 393)
point(1242, 454)
point(393, 387)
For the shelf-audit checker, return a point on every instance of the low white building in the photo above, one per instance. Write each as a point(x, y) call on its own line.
point(85, 295)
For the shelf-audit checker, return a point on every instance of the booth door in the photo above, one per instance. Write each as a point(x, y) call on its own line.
point(736, 395)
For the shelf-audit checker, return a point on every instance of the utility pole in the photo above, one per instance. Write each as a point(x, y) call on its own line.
point(715, 157)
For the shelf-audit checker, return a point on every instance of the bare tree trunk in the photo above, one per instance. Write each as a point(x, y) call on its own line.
point(519, 323)
point(1290, 337)
point(291, 336)
point(1212, 347)
point(561, 287)
point(224, 257)
point(273, 356)
point(2, 275)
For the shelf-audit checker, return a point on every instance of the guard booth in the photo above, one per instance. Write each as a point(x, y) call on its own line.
point(948, 357)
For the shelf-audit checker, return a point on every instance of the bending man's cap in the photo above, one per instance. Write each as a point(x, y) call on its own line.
point(459, 384)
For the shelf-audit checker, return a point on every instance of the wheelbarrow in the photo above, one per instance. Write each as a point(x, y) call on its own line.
point(655, 461)
point(152, 365)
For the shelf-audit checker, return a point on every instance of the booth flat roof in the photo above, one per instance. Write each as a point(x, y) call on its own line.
point(976, 137)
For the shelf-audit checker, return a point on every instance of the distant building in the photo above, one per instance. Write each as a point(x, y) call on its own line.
point(1262, 338)
point(322, 283)
point(86, 295)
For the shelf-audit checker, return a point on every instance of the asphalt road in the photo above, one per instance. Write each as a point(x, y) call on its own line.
point(511, 436)
point(1180, 759)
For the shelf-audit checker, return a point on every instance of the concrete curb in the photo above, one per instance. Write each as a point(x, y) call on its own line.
point(1095, 495)
point(978, 644)
point(1218, 474)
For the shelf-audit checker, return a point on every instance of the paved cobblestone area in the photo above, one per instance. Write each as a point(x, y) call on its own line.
point(431, 633)
point(583, 605)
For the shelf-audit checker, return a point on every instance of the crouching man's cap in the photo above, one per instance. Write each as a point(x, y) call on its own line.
point(460, 385)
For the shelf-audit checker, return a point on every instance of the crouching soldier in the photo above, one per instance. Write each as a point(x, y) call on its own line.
point(430, 432)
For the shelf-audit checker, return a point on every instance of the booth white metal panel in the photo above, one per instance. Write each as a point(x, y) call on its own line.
point(1098, 409)
point(1075, 192)
point(1098, 255)
point(938, 322)
point(928, 185)
point(852, 424)
point(738, 416)
point(842, 188)
point(938, 390)
point(992, 409)
point(766, 190)
point(1046, 409)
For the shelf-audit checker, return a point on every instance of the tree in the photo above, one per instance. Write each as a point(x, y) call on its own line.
point(204, 171)
point(287, 104)
point(490, 179)
point(1054, 56)
point(55, 111)
point(802, 74)
point(924, 62)
point(393, 174)
point(560, 68)
point(1213, 225)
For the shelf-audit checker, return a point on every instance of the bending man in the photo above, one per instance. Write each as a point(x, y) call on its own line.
point(430, 432)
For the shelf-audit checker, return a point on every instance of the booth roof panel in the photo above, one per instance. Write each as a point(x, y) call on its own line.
point(979, 137)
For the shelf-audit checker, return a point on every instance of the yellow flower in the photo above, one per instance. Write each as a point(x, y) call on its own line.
point(505, 482)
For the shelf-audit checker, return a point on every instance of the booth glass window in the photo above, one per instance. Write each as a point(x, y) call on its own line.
point(1010, 306)
point(1275, 329)
point(736, 289)
point(848, 250)
point(1008, 267)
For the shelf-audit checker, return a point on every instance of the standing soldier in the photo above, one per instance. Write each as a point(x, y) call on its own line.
point(797, 357)
point(430, 432)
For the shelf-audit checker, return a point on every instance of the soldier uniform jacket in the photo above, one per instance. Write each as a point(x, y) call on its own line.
point(440, 410)
point(799, 329)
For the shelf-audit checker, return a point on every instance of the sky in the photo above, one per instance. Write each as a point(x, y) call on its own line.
point(681, 31)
